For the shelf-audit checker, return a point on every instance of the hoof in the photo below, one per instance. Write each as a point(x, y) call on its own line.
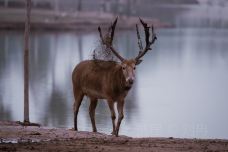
point(114, 133)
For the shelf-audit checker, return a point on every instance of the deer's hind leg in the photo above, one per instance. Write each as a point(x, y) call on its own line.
point(92, 107)
point(78, 95)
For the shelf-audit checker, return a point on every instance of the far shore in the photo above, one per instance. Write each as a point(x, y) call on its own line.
point(14, 137)
point(12, 18)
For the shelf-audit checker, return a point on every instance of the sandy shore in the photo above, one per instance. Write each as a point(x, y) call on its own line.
point(14, 137)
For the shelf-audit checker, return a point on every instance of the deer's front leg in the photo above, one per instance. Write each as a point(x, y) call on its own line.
point(92, 107)
point(113, 115)
point(120, 105)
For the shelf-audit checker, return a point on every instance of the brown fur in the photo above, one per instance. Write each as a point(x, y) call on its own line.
point(107, 79)
point(99, 79)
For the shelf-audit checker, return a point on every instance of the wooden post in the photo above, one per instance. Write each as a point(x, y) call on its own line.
point(26, 62)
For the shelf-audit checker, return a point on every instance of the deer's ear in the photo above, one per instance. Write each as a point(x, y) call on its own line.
point(138, 62)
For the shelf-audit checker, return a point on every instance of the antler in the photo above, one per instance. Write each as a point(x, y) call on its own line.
point(109, 39)
point(142, 51)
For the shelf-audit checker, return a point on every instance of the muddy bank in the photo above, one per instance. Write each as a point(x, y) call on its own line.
point(14, 137)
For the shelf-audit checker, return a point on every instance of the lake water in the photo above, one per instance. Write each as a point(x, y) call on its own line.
point(181, 87)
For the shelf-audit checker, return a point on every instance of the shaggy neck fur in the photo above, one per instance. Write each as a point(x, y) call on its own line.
point(121, 86)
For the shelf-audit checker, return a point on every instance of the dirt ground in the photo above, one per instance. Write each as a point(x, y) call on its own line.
point(14, 137)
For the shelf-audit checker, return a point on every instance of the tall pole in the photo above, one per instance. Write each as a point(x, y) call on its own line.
point(26, 62)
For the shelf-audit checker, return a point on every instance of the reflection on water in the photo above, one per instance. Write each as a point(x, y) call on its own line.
point(181, 87)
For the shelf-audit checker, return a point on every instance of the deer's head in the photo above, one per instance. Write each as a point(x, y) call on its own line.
point(128, 66)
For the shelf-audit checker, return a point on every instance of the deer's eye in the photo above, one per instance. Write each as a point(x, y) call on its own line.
point(123, 68)
point(134, 68)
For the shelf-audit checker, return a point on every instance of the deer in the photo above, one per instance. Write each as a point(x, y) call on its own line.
point(110, 80)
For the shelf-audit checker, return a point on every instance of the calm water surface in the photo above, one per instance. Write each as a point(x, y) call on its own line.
point(180, 91)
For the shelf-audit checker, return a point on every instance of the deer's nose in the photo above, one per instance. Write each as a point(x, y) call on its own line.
point(131, 81)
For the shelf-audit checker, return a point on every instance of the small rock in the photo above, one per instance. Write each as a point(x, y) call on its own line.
point(35, 133)
point(170, 137)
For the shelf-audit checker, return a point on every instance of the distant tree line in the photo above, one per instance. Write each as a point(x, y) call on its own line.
point(77, 5)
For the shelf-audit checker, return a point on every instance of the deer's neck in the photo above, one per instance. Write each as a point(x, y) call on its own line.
point(120, 83)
